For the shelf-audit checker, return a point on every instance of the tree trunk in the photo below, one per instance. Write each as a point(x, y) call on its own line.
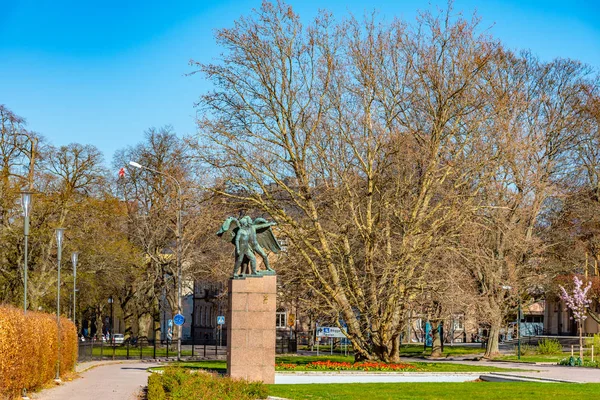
point(491, 350)
point(127, 321)
point(436, 350)
point(580, 340)
point(395, 353)
point(99, 322)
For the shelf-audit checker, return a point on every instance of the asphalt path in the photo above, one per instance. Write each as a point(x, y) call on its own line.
point(559, 372)
point(125, 381)
point(122, 381)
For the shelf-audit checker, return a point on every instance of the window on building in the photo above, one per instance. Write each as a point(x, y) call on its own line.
point(281, 318)
point(458, 323)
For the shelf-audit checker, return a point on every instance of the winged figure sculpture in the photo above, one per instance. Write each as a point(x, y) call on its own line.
point(250, 237)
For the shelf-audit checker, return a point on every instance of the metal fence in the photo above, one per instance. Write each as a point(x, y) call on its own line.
point(149, 349)
point(286, 345)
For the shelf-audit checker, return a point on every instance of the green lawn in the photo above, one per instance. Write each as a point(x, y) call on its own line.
point(221, 366)
point(416, 350)
point(134, 352)
point(446, 391)
point(410, 350)
point(216, 366)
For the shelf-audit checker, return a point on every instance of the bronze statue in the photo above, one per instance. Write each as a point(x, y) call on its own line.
point(250, 237)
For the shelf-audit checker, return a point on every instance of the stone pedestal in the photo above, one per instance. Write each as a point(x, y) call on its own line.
point(251, 328)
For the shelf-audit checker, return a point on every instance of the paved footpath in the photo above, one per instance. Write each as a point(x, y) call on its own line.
point(113, 381)
point(125, 380)
point(582, 375)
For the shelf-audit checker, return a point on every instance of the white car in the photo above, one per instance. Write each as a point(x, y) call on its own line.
point(118, 338)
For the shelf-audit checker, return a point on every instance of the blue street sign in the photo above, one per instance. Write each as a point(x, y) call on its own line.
point(221, 320)
point(178, 319)
point(169, 329)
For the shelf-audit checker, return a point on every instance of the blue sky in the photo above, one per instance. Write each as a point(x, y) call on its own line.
point(103, 72)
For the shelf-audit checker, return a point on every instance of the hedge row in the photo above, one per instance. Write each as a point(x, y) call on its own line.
point(183, 384)
point(28, 349)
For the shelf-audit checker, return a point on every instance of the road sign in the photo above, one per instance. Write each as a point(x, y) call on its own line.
point(221, 320)
point(179, 319)
point(291, 319)
point(170, 329)
point(331, 332)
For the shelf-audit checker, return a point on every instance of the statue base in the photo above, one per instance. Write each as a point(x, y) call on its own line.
point(251, 331)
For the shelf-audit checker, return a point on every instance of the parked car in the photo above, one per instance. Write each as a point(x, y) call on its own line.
point(118, 338)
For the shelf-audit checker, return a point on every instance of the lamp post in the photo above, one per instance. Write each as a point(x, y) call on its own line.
point(74, 257)
point(506, 287)
point(26, 204)
point(178, 245)
point(59, 239)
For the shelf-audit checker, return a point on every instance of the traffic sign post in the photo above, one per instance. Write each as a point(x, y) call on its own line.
point(179, 319)
point(169, 330)
point(220, 323)
point(330, 332)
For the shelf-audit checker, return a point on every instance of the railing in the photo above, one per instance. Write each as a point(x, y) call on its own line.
point(149, 349)
point(286, 345)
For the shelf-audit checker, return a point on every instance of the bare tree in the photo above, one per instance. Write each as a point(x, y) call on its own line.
point(359, 139)
point(536, 108)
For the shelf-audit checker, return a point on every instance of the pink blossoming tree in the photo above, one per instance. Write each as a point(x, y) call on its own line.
point(578, 303)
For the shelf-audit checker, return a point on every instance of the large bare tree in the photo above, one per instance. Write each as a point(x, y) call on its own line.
point(363, 140)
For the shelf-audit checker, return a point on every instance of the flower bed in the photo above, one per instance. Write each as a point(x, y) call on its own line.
point(347, 366)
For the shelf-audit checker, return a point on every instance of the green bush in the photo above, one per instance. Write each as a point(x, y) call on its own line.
point(526, 350)
point(592, 341)
point(155, 388)
point(181, 384)
point(549, 346)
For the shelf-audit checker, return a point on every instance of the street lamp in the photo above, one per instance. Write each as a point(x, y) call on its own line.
point(26, 204)
point(507, 287)
point(178, 245)
point(74, 257)
point(60, 232)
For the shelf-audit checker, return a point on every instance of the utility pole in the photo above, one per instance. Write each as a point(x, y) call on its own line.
point(74, 257)
point(59, 239)
point(178, 245)
point(519, 330)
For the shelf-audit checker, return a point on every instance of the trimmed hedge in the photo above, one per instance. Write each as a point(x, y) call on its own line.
point(28, 349)
point(183, 384)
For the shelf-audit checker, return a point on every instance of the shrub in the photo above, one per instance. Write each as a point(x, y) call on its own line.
point(28, 349)
point(155, 387)
point(592, 341)
point(549, 346)
point(180, 384)
point(526, 350)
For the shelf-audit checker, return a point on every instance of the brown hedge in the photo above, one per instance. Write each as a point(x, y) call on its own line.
point(28, 349)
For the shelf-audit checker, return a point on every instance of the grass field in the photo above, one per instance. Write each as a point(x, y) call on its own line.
point(134, 352)
point(221, 366)
point(430, 391)
point(412, 350)
point(416, 350)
